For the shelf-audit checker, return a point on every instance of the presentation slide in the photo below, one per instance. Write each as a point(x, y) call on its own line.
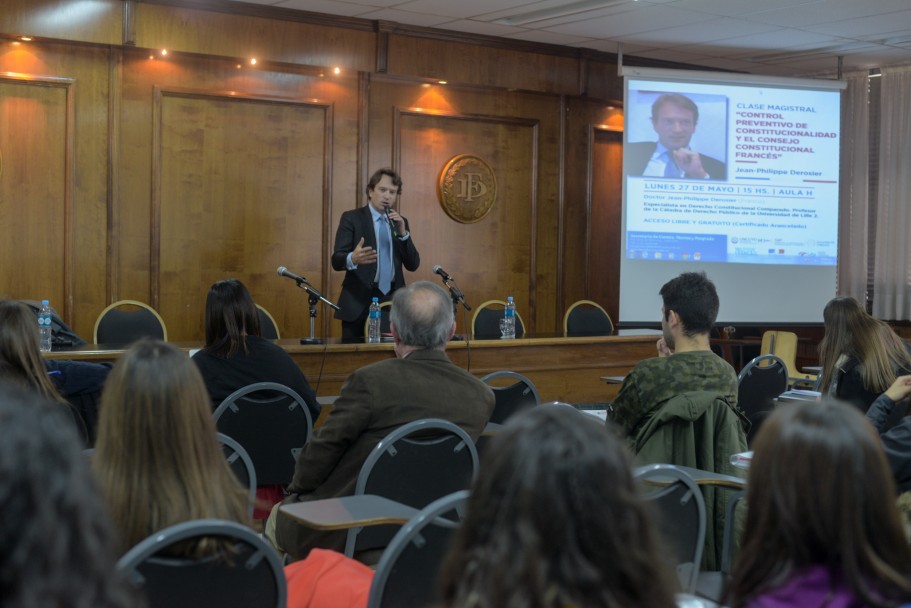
point(731, 175)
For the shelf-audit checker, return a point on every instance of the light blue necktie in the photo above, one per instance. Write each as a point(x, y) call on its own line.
point(384, 255)
point(670, 168)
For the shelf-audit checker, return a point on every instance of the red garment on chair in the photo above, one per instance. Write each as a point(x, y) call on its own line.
point(266, 498)
point(327, 579)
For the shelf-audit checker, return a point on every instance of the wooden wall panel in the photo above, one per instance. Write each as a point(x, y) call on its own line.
point(491, 258)
point(606, 220)
point(179, 29)
point(55, 165)
point(530, 168)
point(287, 143)
point(591, 221)
point(479, 65)
point(240, 183)
point(35, 190)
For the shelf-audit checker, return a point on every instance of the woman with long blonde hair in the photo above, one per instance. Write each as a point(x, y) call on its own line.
point(157, 457)
point(860, 355)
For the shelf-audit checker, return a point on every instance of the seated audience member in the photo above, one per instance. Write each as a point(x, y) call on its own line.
point(822, 527)
point(236, 355)
point(20, 357)
point(859, 354)
point(375, 400)
point(680, 407)
point(896, 438)
point(57, 547)
point(157, 458)
point(685, 361)
point(555, 520)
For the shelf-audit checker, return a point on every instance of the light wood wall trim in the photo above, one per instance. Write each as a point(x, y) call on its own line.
point(561, 209)
point(69, 163)
point(129, 23)
point(155, 220)
point(589, 177)
point(113, 202)
point(326, 235)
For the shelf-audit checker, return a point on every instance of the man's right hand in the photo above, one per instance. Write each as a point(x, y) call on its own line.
point(363, 255)
point(663, 349)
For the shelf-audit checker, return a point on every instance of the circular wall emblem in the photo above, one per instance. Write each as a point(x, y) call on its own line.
point(467, 188)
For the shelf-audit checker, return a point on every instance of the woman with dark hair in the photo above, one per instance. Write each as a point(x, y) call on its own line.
point(57, 547)
point(860, 355)
point(20, 357)
point(157, 458)
point(554, 520)
point(822, 526)
point(236, 355)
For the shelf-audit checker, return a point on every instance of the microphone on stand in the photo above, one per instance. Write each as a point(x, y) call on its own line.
point(454, 291)
point(439, 270)
point(284, 272)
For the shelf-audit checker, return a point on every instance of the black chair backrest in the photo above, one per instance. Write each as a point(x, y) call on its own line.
point(241, 465)
point(414, 465)
point(251, 576)
point(586, 320)
point(758, 384)
point(487, 324)
point(407, 573)
point(679, 509)
point(511, 399)
point(267, 327)
point(272, 423)
point(126, 325)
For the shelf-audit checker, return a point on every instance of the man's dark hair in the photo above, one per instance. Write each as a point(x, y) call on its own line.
point(693, 297)
point(378, 175)
point(681, 101)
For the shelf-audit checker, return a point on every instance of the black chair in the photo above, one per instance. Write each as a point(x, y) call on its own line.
point(250, 576)
point(126, 321)
point(407, 573)
point(679, 508)
point(485, 324)
point(241, 465)
point(272, 423)
point(267, 325)
point(518, 396)
point(415, 464)
point(587, 318)
point(758, 384)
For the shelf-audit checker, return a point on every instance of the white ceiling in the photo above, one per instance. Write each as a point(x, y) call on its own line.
point(779, 37)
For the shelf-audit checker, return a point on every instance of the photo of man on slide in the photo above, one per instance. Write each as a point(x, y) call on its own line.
point(674, 118)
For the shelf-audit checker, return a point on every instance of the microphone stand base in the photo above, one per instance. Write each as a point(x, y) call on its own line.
point(311, 341)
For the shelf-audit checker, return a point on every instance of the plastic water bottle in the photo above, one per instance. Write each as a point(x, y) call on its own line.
point(44, 326)
point(373, 324)
point(510, 318)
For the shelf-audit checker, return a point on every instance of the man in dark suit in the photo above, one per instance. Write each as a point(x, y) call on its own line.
point(372, 244)
point(674, 119)
point(421, 382)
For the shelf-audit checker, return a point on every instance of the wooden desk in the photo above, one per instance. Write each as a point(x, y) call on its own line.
point(349, 512)
point(562, 369)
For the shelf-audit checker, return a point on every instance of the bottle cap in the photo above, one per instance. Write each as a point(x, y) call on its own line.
point(45, 303)
point(509, 298)
point(375, 299)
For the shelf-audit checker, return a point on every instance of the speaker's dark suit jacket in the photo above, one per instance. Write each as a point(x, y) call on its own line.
point(357, 287)
point(639, 153)
point(374, 401)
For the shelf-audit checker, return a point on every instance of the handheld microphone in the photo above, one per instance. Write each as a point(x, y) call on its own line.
point(284, 272)
point(395, 232)
point(439, 270)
